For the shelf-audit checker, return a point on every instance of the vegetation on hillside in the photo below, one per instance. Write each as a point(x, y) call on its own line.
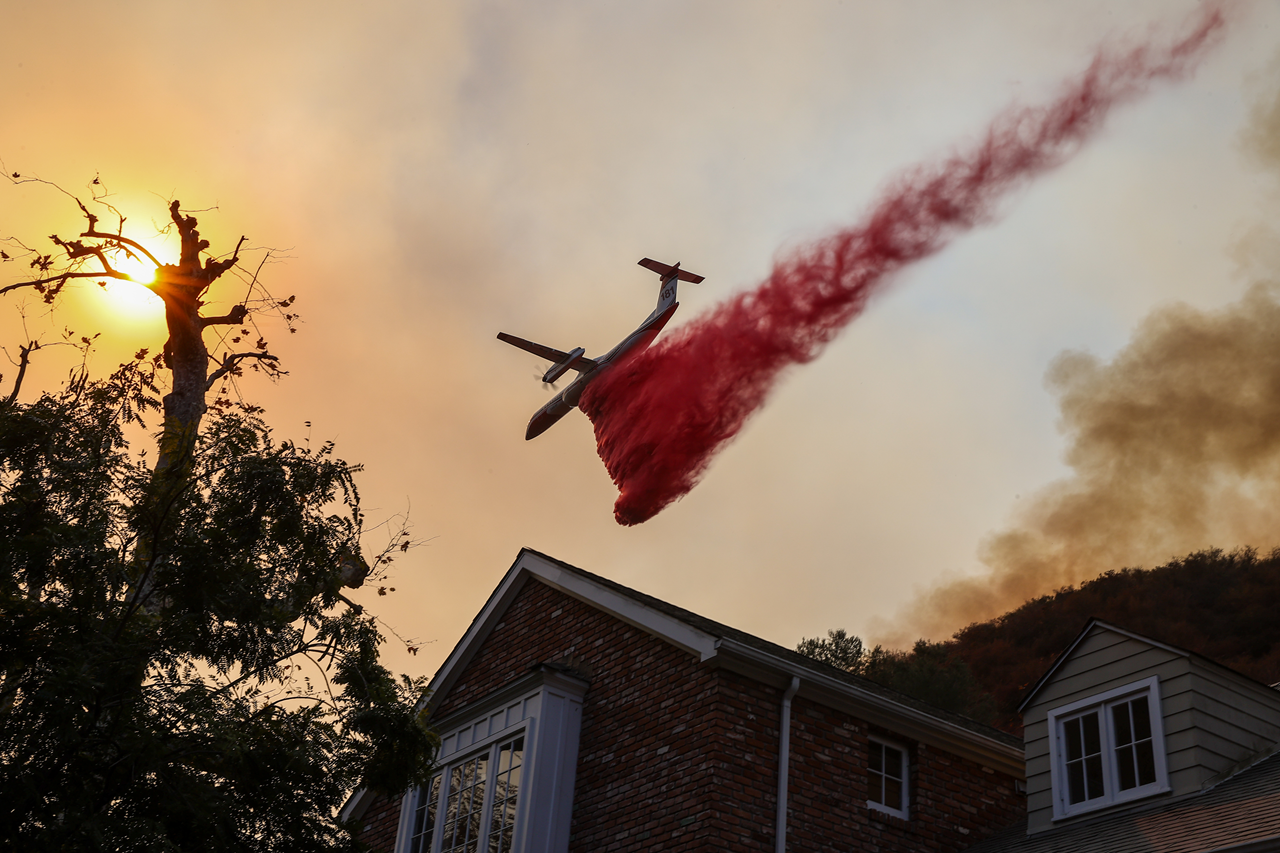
point(1220, 605)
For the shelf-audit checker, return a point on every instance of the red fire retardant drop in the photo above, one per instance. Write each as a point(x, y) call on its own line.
point(661, 415)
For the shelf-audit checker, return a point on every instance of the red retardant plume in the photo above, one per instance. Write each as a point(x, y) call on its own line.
point(661, 415)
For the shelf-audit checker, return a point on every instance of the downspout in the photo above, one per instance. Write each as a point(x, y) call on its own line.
point(784, 764)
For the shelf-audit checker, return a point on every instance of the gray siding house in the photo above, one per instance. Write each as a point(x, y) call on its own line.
point(1135, 745)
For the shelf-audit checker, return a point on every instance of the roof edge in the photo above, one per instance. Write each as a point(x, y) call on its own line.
point(883, 711)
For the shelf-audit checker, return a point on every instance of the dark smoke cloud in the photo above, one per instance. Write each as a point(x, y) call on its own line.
point(662, 416)
point(1175, 445)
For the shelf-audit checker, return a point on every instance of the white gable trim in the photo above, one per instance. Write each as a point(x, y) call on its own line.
point(530, 564)
point(626, 609)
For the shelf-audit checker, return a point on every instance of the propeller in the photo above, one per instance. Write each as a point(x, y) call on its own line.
point(546, 386)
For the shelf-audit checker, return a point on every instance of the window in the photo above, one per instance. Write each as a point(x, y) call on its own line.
point(491, 795)
point(887, 767)
point(1107, 749)
point(478, 809)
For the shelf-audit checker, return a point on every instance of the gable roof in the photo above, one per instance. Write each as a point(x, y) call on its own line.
point(1095, 623)
point(1241, 815)
point(722, 645)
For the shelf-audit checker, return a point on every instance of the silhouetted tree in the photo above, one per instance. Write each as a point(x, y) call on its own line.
point(929, 672)
point(179, 667)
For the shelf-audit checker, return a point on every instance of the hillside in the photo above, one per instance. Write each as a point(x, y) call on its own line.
point(1223, 606)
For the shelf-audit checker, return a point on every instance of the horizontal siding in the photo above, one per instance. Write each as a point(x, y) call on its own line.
point(1235, 709)
point(1212, 717)
point(1080, 683)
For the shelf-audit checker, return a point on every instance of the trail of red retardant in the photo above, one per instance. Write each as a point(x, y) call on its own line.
point(661, 416)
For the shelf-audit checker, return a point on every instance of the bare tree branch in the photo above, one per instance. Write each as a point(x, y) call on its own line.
point(234, 318)
point(24, 358)
point(229, 362)
point(62, 279)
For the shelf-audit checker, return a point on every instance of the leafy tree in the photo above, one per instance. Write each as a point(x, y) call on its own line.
point(839, 649)
point(179, 666)
point(930, 672)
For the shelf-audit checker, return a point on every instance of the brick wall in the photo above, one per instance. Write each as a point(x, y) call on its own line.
point(953, 802)
point(380, 823)
point(644, 752)
point(678, 756)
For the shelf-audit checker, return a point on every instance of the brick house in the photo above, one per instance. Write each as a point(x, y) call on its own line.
point(577, 714)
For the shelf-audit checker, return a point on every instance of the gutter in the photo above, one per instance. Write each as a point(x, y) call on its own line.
point(784, 764)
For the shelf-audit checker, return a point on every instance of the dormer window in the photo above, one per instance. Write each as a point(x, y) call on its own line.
point(1107, 749)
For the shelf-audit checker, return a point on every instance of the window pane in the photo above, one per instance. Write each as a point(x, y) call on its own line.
point(893, 793)
point(1146, 763)
point(424, 821)
point(465, 802)
point(506, 790)
point(892, 762)
point(1141, 719)
point(1093, 776)
point(1120, 718)
point(1135, 759)
point(1075, 747)
point(886, 775)
point(1075, 782)
point(1092, 740)
point(1124, 764)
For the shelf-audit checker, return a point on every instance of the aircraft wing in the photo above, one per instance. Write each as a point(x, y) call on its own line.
point(543, 351)
point(549, 353)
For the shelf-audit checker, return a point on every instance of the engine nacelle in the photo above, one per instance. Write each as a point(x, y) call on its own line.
point(560, 368)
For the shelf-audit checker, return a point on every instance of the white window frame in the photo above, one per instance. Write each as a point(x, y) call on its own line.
point(1102, 704)
point(546, 708)
point(905, 811)
point(489, 746)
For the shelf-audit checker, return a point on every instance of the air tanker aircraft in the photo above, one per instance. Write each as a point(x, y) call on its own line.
point(589, 368)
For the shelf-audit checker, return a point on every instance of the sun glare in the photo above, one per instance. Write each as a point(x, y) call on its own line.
point(133, 296)
point(138, 269)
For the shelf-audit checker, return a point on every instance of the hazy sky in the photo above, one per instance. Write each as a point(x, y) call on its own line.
point(438, 172)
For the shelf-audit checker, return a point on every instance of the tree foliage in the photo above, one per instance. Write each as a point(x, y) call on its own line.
point(179, 666)
point(1220, 605)
point(929, 672)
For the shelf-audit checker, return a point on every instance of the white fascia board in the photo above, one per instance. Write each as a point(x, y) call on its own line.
point(874, 708)
point(621, 607)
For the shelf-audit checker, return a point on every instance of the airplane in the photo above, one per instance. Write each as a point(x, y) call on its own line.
point(590, 368)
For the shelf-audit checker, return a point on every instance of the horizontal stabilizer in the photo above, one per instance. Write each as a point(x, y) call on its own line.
point(665, 270)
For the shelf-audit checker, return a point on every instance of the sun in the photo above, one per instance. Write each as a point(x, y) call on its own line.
point(133, 296)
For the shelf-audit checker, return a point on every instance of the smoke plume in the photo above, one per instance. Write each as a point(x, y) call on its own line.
point(1174, 445)
point(661, 416)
